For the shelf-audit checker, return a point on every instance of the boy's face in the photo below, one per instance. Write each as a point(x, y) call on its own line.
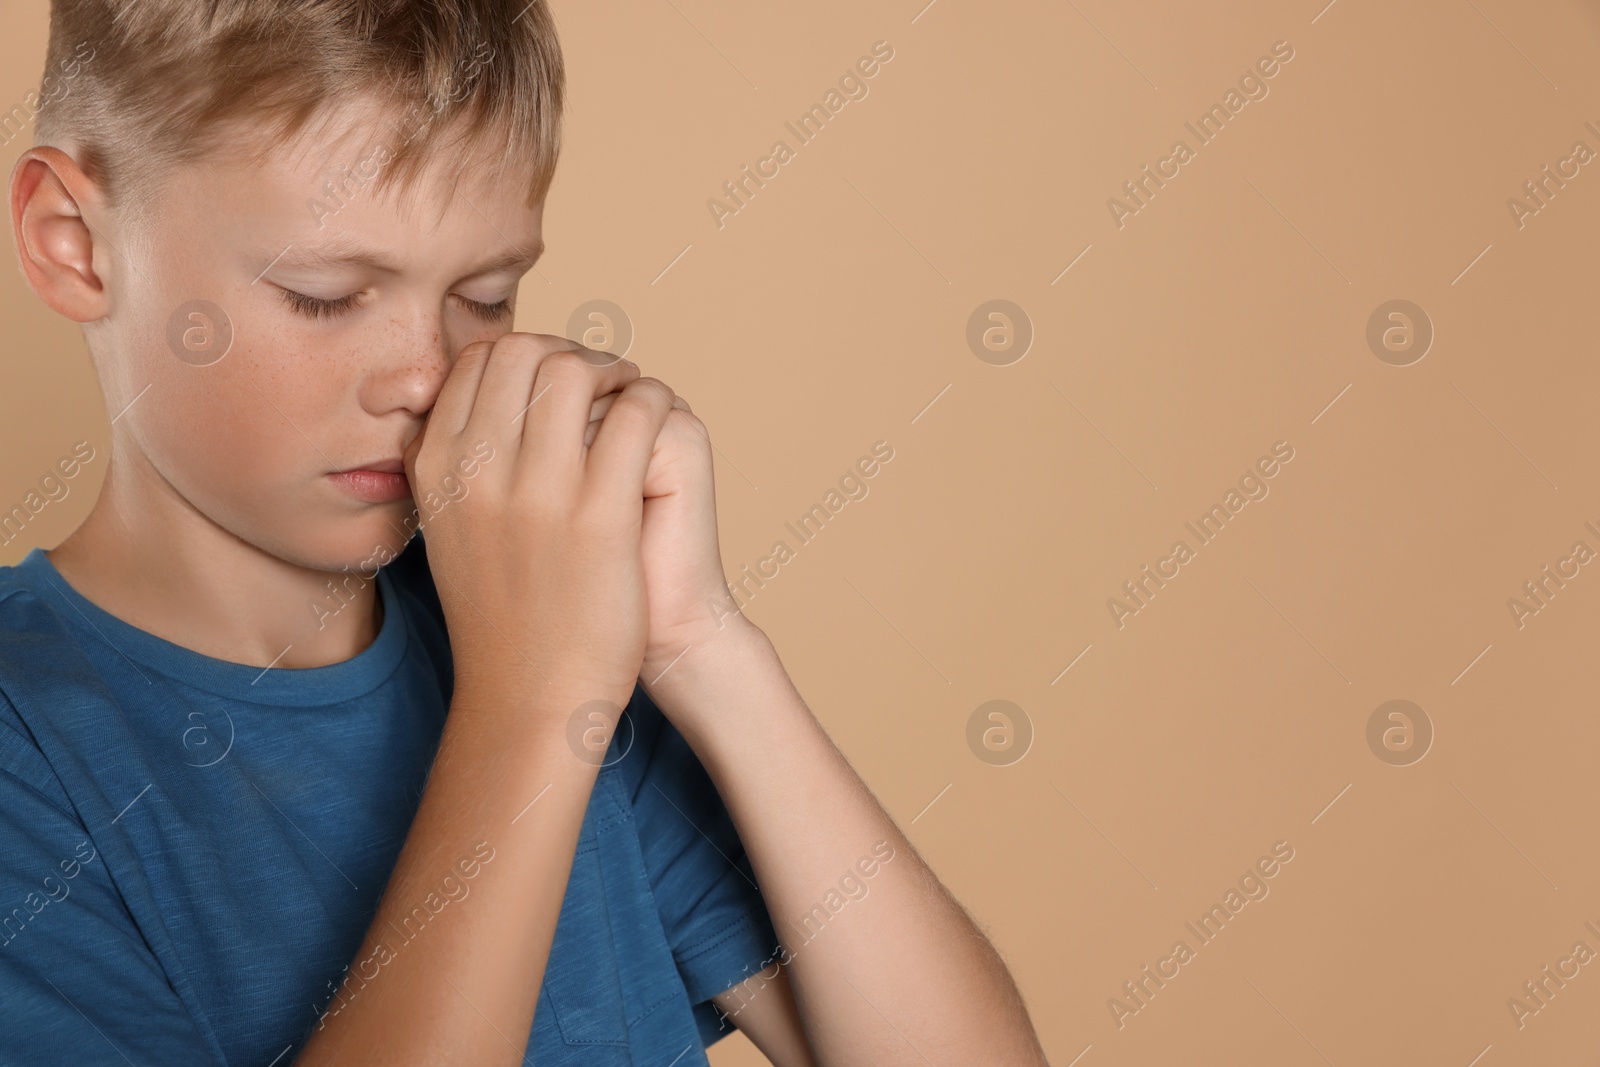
point(251, 441)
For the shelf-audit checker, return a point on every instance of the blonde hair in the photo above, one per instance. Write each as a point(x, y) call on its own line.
point(174, 82)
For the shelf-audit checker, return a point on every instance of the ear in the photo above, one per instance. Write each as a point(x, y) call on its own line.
point(57, 247)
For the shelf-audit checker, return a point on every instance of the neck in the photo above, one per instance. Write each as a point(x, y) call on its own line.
point(152, 559)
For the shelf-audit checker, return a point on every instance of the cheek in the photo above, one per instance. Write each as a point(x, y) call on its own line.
point(246, 439)
point(253, 424)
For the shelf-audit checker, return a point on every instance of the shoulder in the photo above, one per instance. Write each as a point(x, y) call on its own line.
point(25, 615)
point(37, 648)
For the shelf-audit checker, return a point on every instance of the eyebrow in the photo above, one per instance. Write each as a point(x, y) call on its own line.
point(339, 253)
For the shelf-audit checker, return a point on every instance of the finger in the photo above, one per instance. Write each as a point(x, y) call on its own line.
point(566, 386)
point(505, 392)
point(597, 414)
point(617, 463)
point(509, 389)
point(453, 406)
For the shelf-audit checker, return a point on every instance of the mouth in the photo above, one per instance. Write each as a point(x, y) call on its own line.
point(378, 481)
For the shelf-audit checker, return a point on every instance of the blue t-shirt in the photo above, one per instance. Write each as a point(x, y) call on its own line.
point(192, 850)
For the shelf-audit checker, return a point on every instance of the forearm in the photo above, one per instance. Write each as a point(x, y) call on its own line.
point(451, 967)
point(888, 969)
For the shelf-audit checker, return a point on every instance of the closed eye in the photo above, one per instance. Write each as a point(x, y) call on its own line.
point(314, 308)
point(489, 312)
point(311, 307)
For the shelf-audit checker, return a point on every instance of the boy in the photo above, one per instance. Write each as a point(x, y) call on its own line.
point(286, 777)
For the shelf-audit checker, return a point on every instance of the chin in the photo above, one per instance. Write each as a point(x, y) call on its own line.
point(374, 540)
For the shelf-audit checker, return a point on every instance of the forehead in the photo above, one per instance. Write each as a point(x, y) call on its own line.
point(321, 193)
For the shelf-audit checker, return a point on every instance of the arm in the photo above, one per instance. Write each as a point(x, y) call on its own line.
point(772, 1022)
point(542, 558)
point(889, 968)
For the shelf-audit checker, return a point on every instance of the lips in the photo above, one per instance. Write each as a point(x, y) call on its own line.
point(373, 486)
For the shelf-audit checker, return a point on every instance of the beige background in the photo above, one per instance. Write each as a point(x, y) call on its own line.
point(1227, 315)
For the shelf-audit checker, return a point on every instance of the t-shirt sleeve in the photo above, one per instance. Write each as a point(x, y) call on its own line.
point(711, 908)
point(80, 983)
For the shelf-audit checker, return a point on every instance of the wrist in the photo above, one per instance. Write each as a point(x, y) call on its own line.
point(697, 683)
point(739, 711)
point(693, 651)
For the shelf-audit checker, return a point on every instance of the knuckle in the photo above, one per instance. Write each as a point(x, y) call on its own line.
point(632, 411)
point(550, 345)
point(686, 419)
point(521, 341)
point(659, 389)
point(564, 365)
point(546, 341)
point(517, 346)
point(476, 352)
point(594, 356)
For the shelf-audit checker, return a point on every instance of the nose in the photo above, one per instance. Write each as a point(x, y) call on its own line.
point(417, 349)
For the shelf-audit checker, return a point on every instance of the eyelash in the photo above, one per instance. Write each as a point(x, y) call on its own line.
point(314, 308)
